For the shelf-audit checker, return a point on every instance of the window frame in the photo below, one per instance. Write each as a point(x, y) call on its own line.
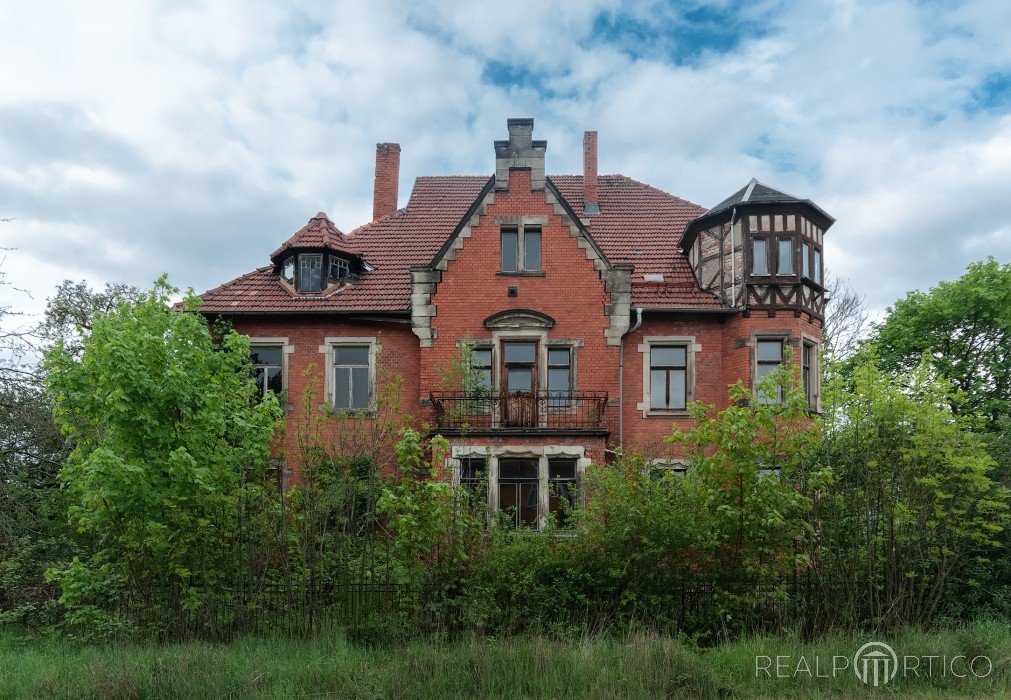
point(780, 240)
point(298, 269)
point(543, 454)
point(521, 227)
point(329, 351)
point(668, 370)
point(810, 354)
point(343, 264)
point(784, 341)
point(286, 351)
point(764, 240)
point(692, 349)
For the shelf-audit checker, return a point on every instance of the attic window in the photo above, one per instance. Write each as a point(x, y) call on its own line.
point(288, 271)
point(310, 273)
point(652, 277)
point(339, 269)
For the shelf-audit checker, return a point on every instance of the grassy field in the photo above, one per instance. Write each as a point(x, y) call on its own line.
point(638, 667)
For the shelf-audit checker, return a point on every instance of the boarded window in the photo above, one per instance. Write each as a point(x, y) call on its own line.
point(352, 378)
point(668, 377)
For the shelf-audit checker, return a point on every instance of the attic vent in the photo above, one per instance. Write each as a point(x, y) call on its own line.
point(652, 277)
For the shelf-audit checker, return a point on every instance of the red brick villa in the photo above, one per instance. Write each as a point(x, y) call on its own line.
point(597, 307)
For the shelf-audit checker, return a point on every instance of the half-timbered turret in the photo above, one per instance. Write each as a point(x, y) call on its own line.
point(761, 249)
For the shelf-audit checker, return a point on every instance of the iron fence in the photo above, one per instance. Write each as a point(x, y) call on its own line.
point(551, 410)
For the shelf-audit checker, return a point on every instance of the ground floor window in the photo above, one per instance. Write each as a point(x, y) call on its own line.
point(526, 491)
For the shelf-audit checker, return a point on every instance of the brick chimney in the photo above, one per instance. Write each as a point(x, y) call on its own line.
point(384, 198)
point(590, 205)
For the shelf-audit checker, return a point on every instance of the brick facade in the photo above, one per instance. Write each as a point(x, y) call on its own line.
point(609, 284)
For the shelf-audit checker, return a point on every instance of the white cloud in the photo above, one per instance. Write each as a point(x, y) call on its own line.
point(146, 137)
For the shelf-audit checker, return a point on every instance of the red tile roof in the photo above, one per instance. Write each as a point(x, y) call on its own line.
point(638, 225)
point(320, 232)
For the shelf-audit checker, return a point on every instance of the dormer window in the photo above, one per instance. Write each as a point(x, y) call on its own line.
point(339, 269)
point(288, 271)
point(310, 273)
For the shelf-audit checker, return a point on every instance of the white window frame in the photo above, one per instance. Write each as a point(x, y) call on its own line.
point(286, 351)
point(688, 341)
point(542, 453)
point(328, 350)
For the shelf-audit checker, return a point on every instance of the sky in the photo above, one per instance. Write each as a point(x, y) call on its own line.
point(192, 139)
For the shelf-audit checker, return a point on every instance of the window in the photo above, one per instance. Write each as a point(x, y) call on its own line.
point(480, 367)
point(668, 377)
point(768, 358)
point(310, 273)
point(809, 374)
point(518, 491)
point(817, 266)
point(805, 260)
point(288, 270)
point(559, 371)
point(474, 478)
point(268, 364)
point(784, 258)
point(352, 377)
point(339, 269)
point(520, 360)
point(521, 249)
point(561, 489)
point(760, 256)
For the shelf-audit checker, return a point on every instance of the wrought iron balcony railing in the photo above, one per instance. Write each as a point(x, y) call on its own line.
point(516, 411)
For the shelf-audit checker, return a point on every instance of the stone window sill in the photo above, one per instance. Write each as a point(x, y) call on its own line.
point(520, 273)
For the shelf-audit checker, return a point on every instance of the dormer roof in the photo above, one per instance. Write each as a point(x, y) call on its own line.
point(318, 234)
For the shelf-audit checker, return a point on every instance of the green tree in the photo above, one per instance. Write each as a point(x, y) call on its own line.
point(964, 328)
point(170, 444)
point(912, 507)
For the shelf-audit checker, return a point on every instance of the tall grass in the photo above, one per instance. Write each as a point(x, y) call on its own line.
point(515, 667)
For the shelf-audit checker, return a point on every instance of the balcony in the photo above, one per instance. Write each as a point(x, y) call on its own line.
point(520, 413)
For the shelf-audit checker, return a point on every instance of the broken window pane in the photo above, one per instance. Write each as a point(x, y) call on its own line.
point(310, 273)
point(267, 364)
point(561, 489)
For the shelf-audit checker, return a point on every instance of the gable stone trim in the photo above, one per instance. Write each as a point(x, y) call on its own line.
point(518, 318)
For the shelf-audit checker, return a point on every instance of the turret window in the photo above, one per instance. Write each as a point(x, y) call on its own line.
point(785, 257)
point(817, 266)
point(805, 259)
point(760, 256)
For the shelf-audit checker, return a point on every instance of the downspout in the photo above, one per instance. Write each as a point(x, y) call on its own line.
point(621, 377)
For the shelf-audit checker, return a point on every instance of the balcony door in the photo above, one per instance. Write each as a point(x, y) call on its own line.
point(519, 382)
